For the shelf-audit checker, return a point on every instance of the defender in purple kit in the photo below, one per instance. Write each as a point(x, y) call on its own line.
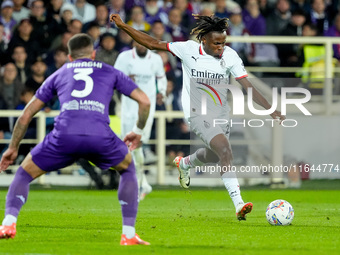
point(84, 88)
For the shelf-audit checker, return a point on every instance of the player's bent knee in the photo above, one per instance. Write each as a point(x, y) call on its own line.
point(31, 168)
point(125, 163)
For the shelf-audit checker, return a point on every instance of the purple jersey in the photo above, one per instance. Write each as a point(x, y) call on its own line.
point(84, 88)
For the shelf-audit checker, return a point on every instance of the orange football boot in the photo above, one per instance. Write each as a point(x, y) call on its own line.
point(243, 209)
point(184, 175)
point(8, 231)
point(132, 241)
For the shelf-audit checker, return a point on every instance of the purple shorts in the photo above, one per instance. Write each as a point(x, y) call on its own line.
point(58, 152)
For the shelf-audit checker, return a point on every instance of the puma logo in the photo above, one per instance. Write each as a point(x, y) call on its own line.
point(194, 58)
point(122, 202)
point(21, 197)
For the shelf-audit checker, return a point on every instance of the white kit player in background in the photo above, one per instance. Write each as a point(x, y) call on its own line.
point(146, 69)
point(205, 64)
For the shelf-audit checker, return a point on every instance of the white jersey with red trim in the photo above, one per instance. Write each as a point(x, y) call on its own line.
point(205, 75)
point(145, 71)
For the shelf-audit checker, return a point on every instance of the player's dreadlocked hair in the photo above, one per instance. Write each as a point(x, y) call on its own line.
point(207, 24)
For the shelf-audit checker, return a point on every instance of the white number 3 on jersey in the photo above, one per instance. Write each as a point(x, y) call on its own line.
point(83, 75)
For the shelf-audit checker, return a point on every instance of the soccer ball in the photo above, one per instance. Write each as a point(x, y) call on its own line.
point(280, 213)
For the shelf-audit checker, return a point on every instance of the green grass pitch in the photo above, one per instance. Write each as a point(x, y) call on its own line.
point(175, 221)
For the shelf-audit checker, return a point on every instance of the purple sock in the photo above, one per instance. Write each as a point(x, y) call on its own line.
point(18, 192)
point(128, 195)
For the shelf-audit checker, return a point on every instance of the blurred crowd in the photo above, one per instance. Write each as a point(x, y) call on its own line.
point(35, 34)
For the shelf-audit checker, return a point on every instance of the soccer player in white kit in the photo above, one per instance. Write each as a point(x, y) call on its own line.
point(145, 68)
point(207, 60)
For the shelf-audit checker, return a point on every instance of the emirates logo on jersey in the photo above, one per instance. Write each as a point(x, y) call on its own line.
point(222, 63)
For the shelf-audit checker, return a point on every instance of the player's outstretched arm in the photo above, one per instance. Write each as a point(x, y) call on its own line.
point(19, 131)
point(132, 139)
point(140, 37)
point(259, 99)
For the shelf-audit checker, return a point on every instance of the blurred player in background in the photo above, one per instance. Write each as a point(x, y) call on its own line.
point(85, 88)
point(210, 57)
point(145, 68)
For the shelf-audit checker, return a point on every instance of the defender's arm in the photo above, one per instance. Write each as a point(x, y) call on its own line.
point(21, 125)
point(19, 131)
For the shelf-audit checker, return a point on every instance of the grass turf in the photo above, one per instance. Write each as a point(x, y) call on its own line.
point(175, 222)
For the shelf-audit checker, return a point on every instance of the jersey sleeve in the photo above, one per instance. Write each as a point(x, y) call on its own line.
point(47, 90)
point(178, 48)
point(124, 84)
point(238, 70)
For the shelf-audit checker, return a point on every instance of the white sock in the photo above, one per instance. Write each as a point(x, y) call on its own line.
point(129, 231)
point(191, 161)
point(138, 158)
point(9, 220)
point(231, 184)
